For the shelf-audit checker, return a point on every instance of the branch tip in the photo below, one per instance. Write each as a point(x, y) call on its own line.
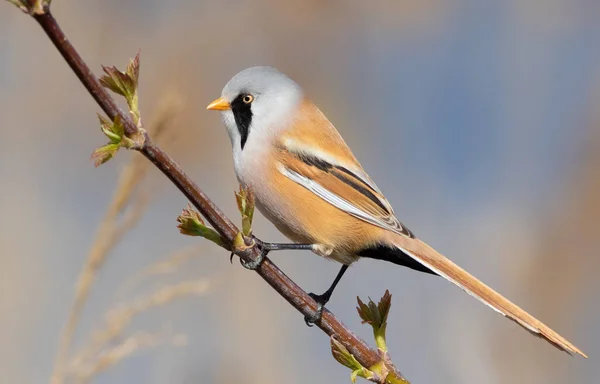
point(115, 131)
point(192, 224)
point(245, 202)
point(33, 7)
point(344, 357)
point(376, 316)
point(125, 84)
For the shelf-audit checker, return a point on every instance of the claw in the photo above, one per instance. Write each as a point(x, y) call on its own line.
point(253, 265)
point(321, 300)
point(310, 320)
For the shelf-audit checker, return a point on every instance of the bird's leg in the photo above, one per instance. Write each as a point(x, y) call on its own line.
point(265, 248)
point(323, 299)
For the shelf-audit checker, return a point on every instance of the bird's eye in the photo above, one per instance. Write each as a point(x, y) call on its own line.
point(247, 99)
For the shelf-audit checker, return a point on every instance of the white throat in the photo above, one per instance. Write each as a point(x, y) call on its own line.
point(272, 113)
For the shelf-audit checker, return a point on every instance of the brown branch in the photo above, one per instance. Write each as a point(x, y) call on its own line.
point(297, 297)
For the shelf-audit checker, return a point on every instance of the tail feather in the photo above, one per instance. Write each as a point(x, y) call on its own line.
point(444, 267)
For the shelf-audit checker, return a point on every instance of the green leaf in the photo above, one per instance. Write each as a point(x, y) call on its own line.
point(106, 127)
point(191, 224)
point(105, 153)
point(245, 202)
point(114, 130)
point(376, 316)
point(344, 357)
point(133, 69)
point(118, 127)
point(384, 306)
point(125, 84)
point(117, 81)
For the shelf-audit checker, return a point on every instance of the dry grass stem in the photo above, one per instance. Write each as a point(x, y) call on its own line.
point(126, 208)
point(111, 356)
point(168, 265)
point(111, 230)
point(119, 318)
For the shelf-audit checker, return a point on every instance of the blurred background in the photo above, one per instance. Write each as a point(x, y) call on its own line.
point(479, 121)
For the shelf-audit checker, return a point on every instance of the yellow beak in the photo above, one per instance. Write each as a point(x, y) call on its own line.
point(219, 105)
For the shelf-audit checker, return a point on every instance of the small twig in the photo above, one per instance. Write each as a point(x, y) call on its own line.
point(289, 290)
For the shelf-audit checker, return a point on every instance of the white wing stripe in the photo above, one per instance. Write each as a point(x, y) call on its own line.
point(296, 147)
point(333, 199)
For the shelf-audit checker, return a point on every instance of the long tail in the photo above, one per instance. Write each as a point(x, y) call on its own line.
point(444, 267)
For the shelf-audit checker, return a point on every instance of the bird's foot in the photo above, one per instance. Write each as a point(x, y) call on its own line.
point(254, 264)
point(321, 300)
point(265, 248)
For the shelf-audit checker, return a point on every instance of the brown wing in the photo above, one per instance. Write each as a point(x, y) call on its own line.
point(341, 187)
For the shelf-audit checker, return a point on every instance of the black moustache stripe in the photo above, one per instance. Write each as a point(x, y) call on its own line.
point(242, 113)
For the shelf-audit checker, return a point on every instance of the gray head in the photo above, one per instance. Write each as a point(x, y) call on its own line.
point(255, 103)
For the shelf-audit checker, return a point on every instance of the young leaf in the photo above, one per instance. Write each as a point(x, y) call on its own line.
point(133, 69)
point(105, 153)
point(376, 316)
point(245, 202)
point(125, 84)
point(344, 357)
point(114, 130)
point(384, 306)
point(117, 81)
point(191, 224)
point(106, 127)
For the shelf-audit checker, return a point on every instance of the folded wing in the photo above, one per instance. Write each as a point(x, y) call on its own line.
point(340, 185)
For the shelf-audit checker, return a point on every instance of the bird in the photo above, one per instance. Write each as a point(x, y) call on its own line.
point(308, 183)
